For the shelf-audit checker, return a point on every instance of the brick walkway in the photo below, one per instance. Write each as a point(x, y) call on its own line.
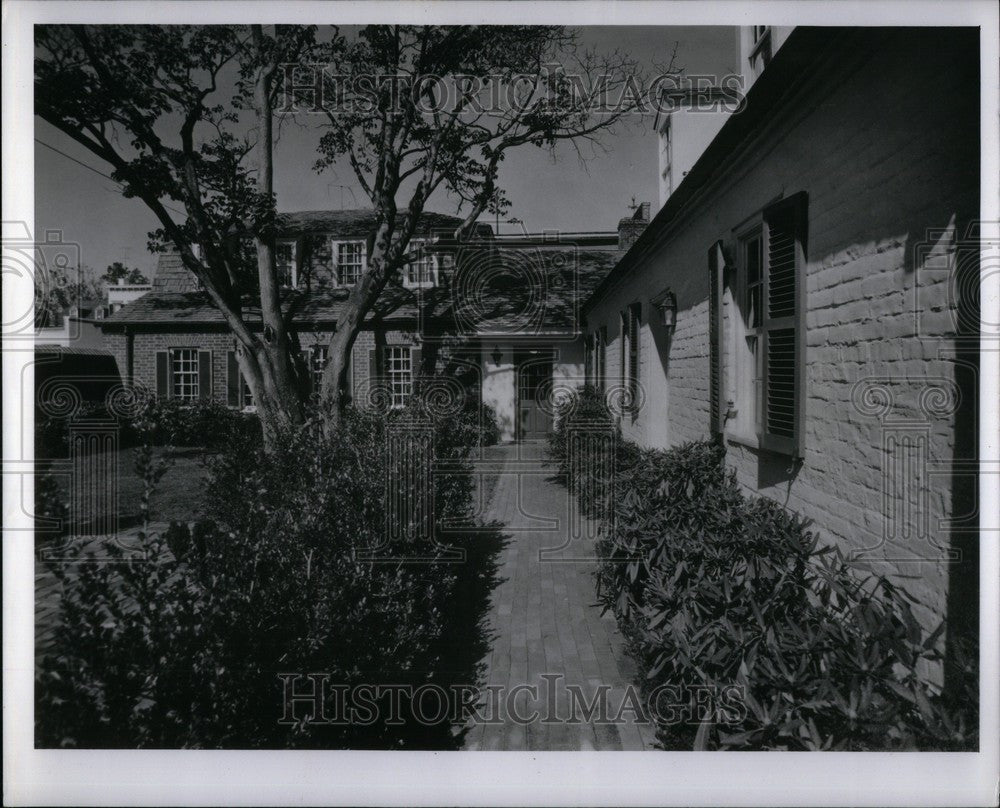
point(547, 624)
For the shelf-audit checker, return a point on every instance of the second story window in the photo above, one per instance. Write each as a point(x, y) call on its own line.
point(351, 261)
point(285, 263)
point(760, 53)
point(421, 272)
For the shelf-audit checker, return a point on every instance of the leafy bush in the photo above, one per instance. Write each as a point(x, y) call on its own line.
point(206, 424)
point(293, 573)
point(732, 595)
point(52, 431)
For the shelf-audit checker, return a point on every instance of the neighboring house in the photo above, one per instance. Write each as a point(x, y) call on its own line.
point(121, 293)
point(797, 298)
point(77, 326)
point(500, 314)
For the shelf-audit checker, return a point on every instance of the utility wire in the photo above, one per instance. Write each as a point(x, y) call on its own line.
point(98, 172)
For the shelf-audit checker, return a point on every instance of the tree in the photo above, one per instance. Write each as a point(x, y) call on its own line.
point(415, 109)
point(60, 289)
point(118, 271)
point(187, 114)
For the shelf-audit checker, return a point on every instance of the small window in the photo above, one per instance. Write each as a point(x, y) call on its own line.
point(247, 394)
point(399, 372)
point(285, 263)
point(350, 262)
point(184, 373)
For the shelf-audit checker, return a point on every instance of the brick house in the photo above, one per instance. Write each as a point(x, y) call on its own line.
point(797, 298)
point(501, 314)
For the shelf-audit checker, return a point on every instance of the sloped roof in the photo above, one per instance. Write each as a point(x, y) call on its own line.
point(172, 276)
point(492, 290)
point(354, 223)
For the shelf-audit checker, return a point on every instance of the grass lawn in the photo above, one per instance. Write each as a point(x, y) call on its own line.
point(178, 497)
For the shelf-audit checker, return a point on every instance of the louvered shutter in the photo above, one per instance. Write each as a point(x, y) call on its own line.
point(233, 381)
point(716, 265)
point(335, 261)
point(205, 375)
point(784, 333)
point(163, 374)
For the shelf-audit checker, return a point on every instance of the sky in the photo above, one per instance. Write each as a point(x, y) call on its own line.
point(547, 191)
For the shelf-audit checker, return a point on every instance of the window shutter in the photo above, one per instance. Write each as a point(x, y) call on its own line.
point(716, 265)
point(373, 364)
point(784, 332)
point(416, 355)
point(233, 380)
point(335, 261)
point(204, 375)
point(163, 374)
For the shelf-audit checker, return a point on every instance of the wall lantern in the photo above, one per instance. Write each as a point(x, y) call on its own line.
point(497, 355)
point(666, 304)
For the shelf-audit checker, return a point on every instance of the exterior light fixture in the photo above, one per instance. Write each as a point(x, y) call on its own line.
point(666, 304)
point(497, 355)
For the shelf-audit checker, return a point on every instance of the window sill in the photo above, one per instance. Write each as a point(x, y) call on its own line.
point(750, 441)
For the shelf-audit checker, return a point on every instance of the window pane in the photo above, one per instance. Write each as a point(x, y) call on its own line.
point(349, 262)
point(184, 373)
point(398, 369)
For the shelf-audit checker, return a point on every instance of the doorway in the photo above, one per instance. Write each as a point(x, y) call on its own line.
point(534, 387)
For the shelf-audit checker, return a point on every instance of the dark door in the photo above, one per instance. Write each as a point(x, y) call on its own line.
point(534, 386)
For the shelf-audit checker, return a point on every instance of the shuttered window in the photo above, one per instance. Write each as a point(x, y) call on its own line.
point(630, 325)
point(768, 363)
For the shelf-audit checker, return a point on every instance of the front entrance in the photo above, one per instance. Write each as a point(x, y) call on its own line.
point(534, 386)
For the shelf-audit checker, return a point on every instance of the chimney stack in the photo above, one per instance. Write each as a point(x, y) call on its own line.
point(631, 227)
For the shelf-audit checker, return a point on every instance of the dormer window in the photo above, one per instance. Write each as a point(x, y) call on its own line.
point(421, 272)
point(286, 264)
point(351, 261)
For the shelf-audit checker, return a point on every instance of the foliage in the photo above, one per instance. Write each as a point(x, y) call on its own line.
point(292, 572)
point(117, 271)
point(207, 424)
point(733, 595)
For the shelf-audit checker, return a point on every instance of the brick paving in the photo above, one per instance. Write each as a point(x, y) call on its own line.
point(546, 623)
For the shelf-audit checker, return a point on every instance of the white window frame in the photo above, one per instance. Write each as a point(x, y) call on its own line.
point(420, 244)
point(179, 389)
point(335, 246)
point(743, 379)
point(294, 244)
point(745, 374)
point(398, 369)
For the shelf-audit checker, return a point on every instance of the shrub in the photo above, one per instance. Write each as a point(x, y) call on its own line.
point(205, 424)
point(733, 595)
point(292, 573)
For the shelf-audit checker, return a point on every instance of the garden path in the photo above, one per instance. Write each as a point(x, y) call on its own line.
point(548, 630)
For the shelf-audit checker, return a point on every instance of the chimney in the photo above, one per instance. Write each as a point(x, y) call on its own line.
point(630, 228)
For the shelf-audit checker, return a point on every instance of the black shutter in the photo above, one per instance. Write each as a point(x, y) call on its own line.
point(204, 375)
point(784, 332)
point(716, 264)
point(373, 364)
point(163, 374)
point(233, 381)
point(416, 356)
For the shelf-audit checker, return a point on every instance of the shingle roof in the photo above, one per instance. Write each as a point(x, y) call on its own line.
point(354, 223)
point(492, 290)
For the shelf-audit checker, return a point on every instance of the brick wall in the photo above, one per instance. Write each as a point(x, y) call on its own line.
point(882, 166)
point(146, 345)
